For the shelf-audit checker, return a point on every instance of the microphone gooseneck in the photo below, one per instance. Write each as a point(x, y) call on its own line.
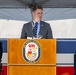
point(32, 29)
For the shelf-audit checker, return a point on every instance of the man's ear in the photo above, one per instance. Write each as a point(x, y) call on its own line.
point(32, 13)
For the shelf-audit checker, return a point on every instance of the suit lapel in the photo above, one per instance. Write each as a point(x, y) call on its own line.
point(41, 28)
point(30, 27)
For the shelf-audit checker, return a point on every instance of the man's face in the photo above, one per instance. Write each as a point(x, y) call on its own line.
point(37, 15)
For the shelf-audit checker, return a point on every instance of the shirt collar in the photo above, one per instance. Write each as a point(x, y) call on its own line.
point(35, 22)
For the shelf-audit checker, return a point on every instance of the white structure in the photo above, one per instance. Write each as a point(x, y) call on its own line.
point(62, 21)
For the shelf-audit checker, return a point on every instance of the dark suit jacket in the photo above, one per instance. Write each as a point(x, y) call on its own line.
point(0, 50)
point(45, 30)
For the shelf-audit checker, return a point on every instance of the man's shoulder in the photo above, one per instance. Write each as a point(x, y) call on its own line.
point(27, 23)
point(44, 22)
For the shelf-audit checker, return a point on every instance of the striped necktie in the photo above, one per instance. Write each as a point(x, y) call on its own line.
point(35, 30)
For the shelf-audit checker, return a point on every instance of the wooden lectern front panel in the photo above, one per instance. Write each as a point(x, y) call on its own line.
point(31, 70)
point(47, 51)
point(46, 65)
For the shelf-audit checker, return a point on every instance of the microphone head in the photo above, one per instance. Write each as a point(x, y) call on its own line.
point(40, 36)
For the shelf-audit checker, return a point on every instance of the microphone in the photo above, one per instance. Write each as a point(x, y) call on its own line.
point(40, 36)
point(32, 29)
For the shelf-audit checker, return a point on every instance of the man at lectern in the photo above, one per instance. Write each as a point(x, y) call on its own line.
point(36, 29)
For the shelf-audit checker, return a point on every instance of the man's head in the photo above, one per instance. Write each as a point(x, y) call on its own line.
point(37, 12)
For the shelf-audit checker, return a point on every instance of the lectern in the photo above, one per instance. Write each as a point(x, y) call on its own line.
point(20, 59)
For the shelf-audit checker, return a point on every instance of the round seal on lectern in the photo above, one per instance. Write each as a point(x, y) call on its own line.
point(31, 51)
